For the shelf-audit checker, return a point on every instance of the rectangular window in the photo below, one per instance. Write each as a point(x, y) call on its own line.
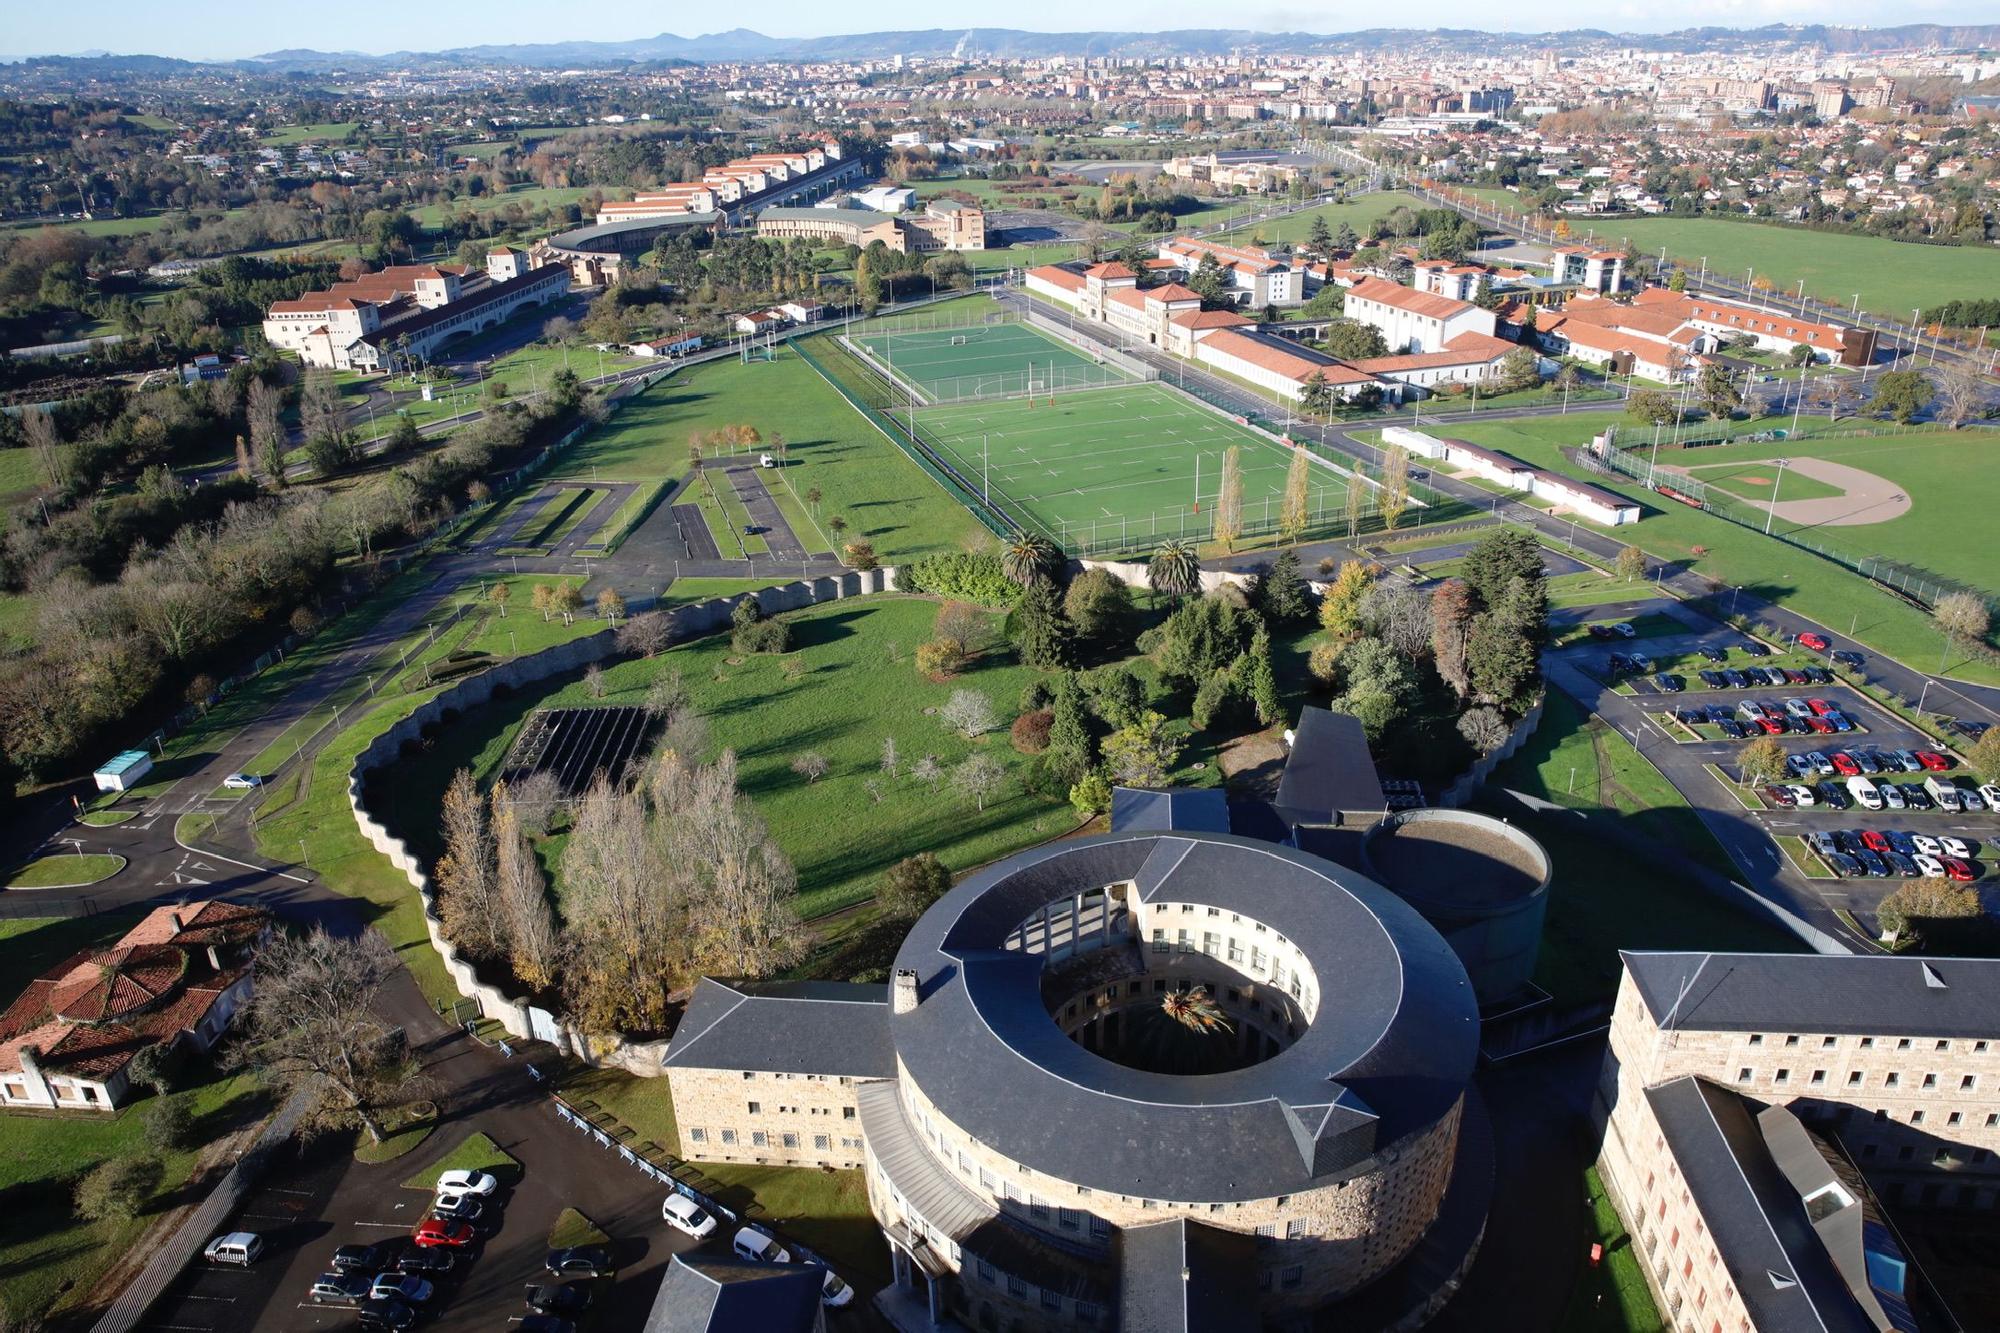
point(1292, 1277)
point(1968, 1082)
point(729, 1136)
point(756, 1108)
point(1051, 1300)
point(1784, 1076)
point(1086, 1312)
point(1743, 1074)
point(1099, 1228)
point(1069, 1219)
point(1038, 1207)
point(697, 1136)
point(1016, 1287)
point(985, 1272)
point(823, 1142)
point(1184, 941)
point(1159, 939)
point(1235, 950)
point(1295, 1229)
point(791, 1140)
point(1211, 943)
point(759, 1139)
point(1818, 1077)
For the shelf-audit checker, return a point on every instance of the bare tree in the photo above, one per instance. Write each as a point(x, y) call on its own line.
point(593, 680)
point(39, 425)
point(1484, 729)
point(980, 778)
point(533, 800)
point(1399, 616)
point(969, 713)
point(962, 625)
point(1831, 394)
point(646, 635)
point(265, 411)
point(891, 759)
point(811, 765)
point(928, 771)
point(312, 1028)
point(1961, 395)
point(533, 945)
point(1962, 618)
point(467, 901)
point(742, 918)
point(626, 919)
point(1394, 492)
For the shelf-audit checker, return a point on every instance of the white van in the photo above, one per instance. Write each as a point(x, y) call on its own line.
point(757, 1247)
point(1864, 793)
point(1943, 791)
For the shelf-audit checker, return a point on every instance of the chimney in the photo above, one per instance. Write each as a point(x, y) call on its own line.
point(214, 958)
point(903, 991)
point(31, 1071)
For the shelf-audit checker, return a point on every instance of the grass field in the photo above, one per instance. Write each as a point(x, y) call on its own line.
point(1753, 480)
point(1613, 1297)
point(1890, 276)
point(65, 871)
point(1118, 463)
point(1948, 506)
point(951, 365)
point(530, 197)
point(297, 134)
point(1357, 213)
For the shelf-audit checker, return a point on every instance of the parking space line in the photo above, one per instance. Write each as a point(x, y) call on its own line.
point(400, 1226)
point(190, 1296)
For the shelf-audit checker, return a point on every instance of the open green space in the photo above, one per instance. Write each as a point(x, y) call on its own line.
point(65, 870)
point(683, 592)
point(1612, 1297)
point(956, 312)
point(1357, 213)
point(1890, 276)
point(297, 134)
point(102, 227)
point(531, 198)
point(1758, 478)
point(1735, 556)
point(404, 1130)
point(1119, 468)
point(476, 1153)
point(985, 361)
point(859, 473)
point(565, 516)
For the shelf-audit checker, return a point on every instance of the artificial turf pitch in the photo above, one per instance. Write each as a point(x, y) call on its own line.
point(993, 360)
point(1116, 468)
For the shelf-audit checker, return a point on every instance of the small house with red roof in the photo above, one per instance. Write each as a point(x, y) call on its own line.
point(175, 980)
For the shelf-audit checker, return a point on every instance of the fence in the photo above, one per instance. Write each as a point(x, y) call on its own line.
point(984, 388)
point(1904, 579)
point(1062, 330)
point(937, 323)
point(179, 1249)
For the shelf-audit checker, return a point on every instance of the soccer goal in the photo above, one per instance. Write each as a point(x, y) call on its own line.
point(958, 340)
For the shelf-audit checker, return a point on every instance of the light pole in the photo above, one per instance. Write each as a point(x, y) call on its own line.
point(1771, 514)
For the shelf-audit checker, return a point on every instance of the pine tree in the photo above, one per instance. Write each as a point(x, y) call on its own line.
point(1072, 749)
point(1282, 594)
point(1263, 678)
point(1045, 637)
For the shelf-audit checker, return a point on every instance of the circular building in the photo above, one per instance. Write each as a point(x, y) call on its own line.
point(1175, 1080)
point(1483, 883)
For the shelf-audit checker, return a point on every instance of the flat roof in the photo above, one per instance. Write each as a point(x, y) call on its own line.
point(124, 761)
point(1330, 769)
point(587, 238)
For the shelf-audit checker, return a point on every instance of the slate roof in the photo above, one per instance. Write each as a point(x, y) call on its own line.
point(1330, 769)
point(799, 1027)
point(1863, 995)
point(601, 238)
point(1389, 1051)
point(1204, 809)
point(705, 1292)
point(1183, 1276)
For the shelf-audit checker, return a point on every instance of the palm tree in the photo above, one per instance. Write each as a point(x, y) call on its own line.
point(1028, 557)
point(1175, 569)
point(1195, 1010)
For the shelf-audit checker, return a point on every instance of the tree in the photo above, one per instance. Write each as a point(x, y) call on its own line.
point(1961, 394)
point(264, 413)
point(566, 600)
point(1717, 388)
point(498, 595)
point(1451, 633)
point(1203, 636)
point(1962, 618)
point(969, 713)
point(1295, 510)
point(534, 948)
point(962, 625)
point(1762, 760)
point(939, 659)
point(1656, 407)
point(1090, 795)
point(1831, 394)
point(1175, 569)
point(1281, 593)
point(1042, 632)
point(169, 1125)
point(1228, 514)
point(1393, 494)
point(1630, 563)
point(1400, 617)
point(1919, 903)
point(646, 634)
point(979, 778)
point(1679, 281)
point(1903, 394)
point(810, 765)
point(1318, 236)
point(1520, 369)
point(1499, 658)
point(1484, 729)
point(610, 606)
point(1497, 560)
point(1072, 748)
point(1099, 608)
point(467, 895)
point(1263, 678)
point(1029, 556)
point(813, 497)
point(1340, 605)
point(911, 885)
point(859, 554)
point(1142, 753)
point(1354, 503)
point(117, 1190)
point(1983, 755)
point(1351, 340)
point(1315, 395)
point(313, 1028)
point(1377, 685)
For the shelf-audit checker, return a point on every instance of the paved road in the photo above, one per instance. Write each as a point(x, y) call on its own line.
point(765, 516)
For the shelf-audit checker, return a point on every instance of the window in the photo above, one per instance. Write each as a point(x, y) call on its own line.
point(1069, 1219)
point(1891, 1080)
point(1930, 1080)
point(1867, 1043)
point(1051, 1300)
point(1791, 1041)
point(823, 1142)
point(1086, 1312)
point(1916, 1117)
point(1183, 941)
point(1743, 1074)
point(1038, 1207)
point(756, 1108)
point(1941, 1157)
point(847, 1113)
point(729, 1136)
point(1235, 950)
point(1968, 1082)
point(1818, 1077)
point(1854, 1079)
point(749, 1074)
point(1292, 1276)
point(790, 1140)
point(1784, 1076)
point(697, 1136)
point(1295, 1229)
point(1016, 1287)
point(1902, 1043)
point(759, 1139)
point(1828, 1043)
point(1953, 1119)
point(985, 1272)
point(1159, 939)
point(1943, 1045)
point(1756, 1039)
point(986, 1180)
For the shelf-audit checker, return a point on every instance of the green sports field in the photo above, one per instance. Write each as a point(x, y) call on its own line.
point(985, 361)
point(1114, 469)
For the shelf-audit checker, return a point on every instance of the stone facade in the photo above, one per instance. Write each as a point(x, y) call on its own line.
point(767, 1119)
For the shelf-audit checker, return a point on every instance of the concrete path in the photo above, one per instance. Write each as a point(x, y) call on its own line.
point(765, 515)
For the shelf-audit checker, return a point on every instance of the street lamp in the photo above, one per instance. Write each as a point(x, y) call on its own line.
point(1771, 514)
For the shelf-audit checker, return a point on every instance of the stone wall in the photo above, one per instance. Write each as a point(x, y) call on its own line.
point(1470, 781)
point(513, 1012)
point(1132, 573)
point(798, 1120)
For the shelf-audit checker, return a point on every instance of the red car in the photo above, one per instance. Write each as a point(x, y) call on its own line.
point(1958, 869)
point(1820, 725)
point(1813, 641)
point(437, 1232)
point(1843, 764)
point(1874, 841)
point(1772, 727)
point(1933, 761)
point(1819, 706)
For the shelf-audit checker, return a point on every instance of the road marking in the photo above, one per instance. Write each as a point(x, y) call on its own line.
point(227, 1300)
point(400, 1226)
point(274, 1189)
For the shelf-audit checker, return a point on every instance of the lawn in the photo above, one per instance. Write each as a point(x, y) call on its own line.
point(957, 312)
point(682, 592)
point(65, 871)
point(1890, 276)
point(858, 685)
point(1739, 557)
point(1114, 469)
point(298, 134)
point(1757, 478)
point(860, 475)
point(1357, 213)
point(476, 1153)
point(433, 216)
point(1612, 1297)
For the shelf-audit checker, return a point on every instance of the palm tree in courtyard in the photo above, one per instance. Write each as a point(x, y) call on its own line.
point(1028, 557)
point(1175, 569)
point(1195, 1010)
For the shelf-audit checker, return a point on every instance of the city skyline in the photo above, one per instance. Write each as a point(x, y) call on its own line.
point(237, 30)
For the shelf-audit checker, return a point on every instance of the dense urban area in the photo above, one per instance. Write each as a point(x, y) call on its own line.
point(1004, 680)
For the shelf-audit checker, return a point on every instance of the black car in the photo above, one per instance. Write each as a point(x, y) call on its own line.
point(1819, 675)
point(462, 1209)
point(1601, 631)
point(1737, 680)
point(1732, 729)
point(1915, 796)
point(1715, 654)
point(1798, 726)
point(431, 1263)
point(390, 1316)
point(1752, 648)
point(1845, 866)
point(1712, 679)
point(1848, 840)
point(369, 1259)
point(1847, 657)
point(1617, 664)
point(580, 1261)
point(1692, 716)
point(558, 1297)
point(1968, 728)
point(1901, 864)
point(1832, 795)
point(1719, 713)
point(1876, 867)
point(1669, 683)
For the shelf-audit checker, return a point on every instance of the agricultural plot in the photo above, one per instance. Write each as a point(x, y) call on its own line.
point(984, 361)
point(1118, 468)
point(577, 745)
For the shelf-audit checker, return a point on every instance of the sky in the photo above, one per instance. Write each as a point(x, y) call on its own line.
point(228, 29)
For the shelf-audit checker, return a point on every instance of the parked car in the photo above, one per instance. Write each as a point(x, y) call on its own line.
point(1641, 662)
point(1967, 728)
point(1816, 642)
point(1847, 657)
point(1843, 764)
point(1864, 793)
point(1960, 847)
point(1732, 728)
point(1990, 793)
point(684, 1214)
point(1624, 631)
point(1819, 675)
point(1874, 841)
point(1907, 761)
point(757, 1247)
point(1798, 765)
point(1840, 720)
point(1845, 866)
point(1876, 867)
point(400, 1287)
point(1822, 842)
point(580, 1261)
point(467, 1182)
point(1959, 869)
point(1794, 676)
point(1821, 764)
point(432, 1264)
point(1901, 864)
point(345, 1288)
point(1832, 795)
point(1776, 795)
point(1599, 631)
point(1710, 679)
point(1669, 684)
point(1802, 795)
point(1926, 844)
point(1819, 706)
point(1970, 799)
point(833, 1292)
point(1752, 648)
point(387, 1317)
point(458, 1208)
point(370, 1259)
point(1930, 761)
point(564, 1298)
point(1770, 726)
point(1717, 712)
point(1715, 654)
point(1616, 665)
point(1900, 841)
point(1892, 795)
point(242, 781)
point(1915, 796)
point(1848, 839)
point(1798, 708)
point(1819, 726)
point(241, 1248)
point(1737, 680)
point(437, 1231)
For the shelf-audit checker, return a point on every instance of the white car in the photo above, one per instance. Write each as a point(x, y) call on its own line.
point(1962, 848)
point(1928, 845)
point(1802, 794)
point(241, 1248)
point(400, 1287)
point(757, 1247)
point(242, 781)
point(466, 1182)
point(1990, 793)
point(684, 1214)
point(1892, 795)
point(1624, 631)
point(1929, 866)
point(834, 1292)
point(766, 460)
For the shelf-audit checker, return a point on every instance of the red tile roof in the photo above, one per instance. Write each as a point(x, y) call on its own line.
point(1299, 366)
point(1108, 270)
point(1424, 304)
point(1210, 319)
point(1171, 293)
point(1058, 277)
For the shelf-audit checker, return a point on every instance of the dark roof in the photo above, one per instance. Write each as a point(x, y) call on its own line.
point(710, 1293)
point(602, 237)
point(1183, 1276)
point(795, 1027)
point(1758, 1222)
point(1871, 995)
point(1201, 809)
point(1330, 770)
point(1388, 1052)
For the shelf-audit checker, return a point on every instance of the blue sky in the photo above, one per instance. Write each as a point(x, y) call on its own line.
point(218, 29)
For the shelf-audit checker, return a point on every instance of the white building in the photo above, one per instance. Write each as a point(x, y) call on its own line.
point(404, 310)
point(1582, 499)
point(1413, 321)
point(1256, 277)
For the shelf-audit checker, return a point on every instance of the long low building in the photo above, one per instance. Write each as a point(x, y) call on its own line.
point(1567, 493)
point(803, 176)
point(403, 310)
point(944, 224)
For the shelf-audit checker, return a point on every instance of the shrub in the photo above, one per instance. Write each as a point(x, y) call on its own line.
point(1091, 795)
point(1030, 732)
point(912, 885)
point(973, 576)
point(751, 633)
point(939, 659)
point(1216, 701)
point(1323, 662)
point(861, 555)
point(118, 1189)
point(1037, 693)
point(169, 1124)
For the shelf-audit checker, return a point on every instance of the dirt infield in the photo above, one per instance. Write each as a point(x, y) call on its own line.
point(1868, 498)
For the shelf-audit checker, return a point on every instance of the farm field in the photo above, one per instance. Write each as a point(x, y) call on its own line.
point(1890, 276)
point(1742, 557)
point(1139, 463)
